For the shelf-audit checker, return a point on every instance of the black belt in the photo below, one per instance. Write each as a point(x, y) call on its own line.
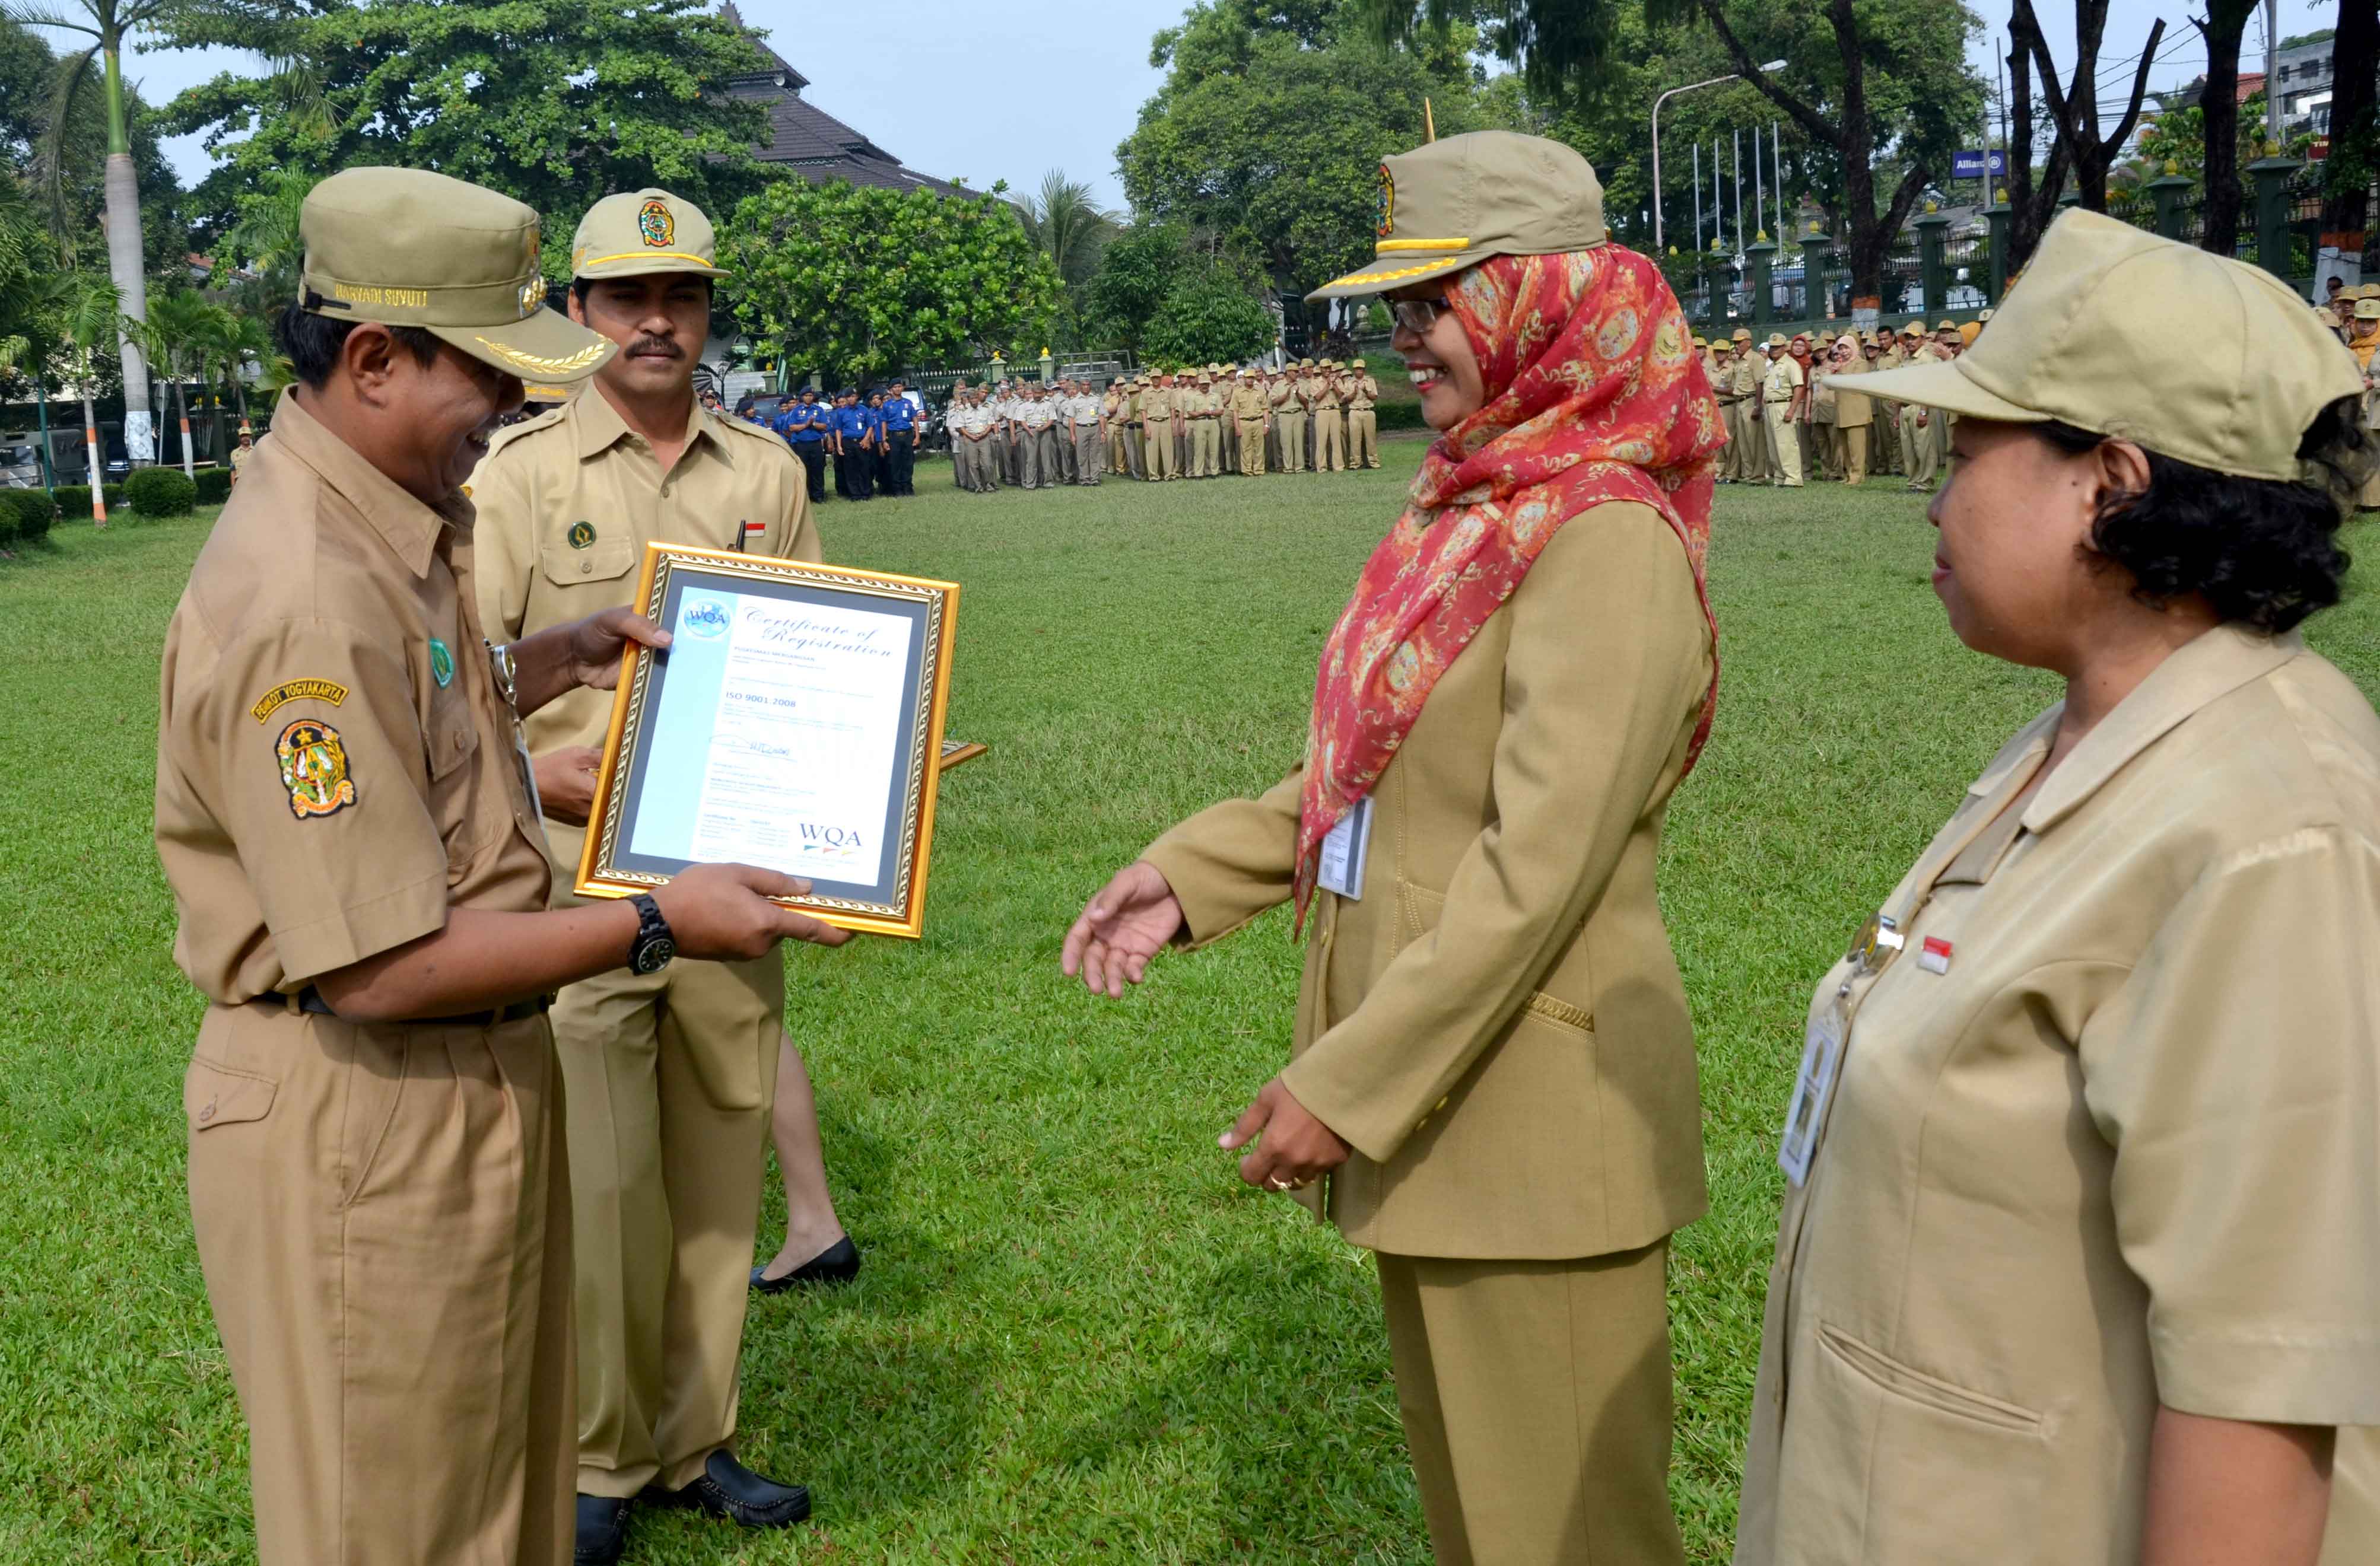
point(311, 1000)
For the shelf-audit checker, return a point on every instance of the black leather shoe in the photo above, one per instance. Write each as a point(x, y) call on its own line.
point(602, 1530)
point(839, 1263)
point(729, 1490)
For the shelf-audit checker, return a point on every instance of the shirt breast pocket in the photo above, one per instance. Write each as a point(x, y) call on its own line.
point(453, 739)
point(566, 565)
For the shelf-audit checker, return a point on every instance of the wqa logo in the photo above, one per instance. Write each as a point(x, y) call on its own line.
point(831, 842)
point(704, 618)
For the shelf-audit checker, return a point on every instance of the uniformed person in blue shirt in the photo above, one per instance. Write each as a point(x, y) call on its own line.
point(803, 423)
point(900, 441)
point(880, 464)
point(855, 448)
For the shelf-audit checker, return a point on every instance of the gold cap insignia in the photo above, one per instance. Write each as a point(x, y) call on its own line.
point(655, 223)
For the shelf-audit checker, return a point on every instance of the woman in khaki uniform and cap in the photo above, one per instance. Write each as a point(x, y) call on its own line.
point(2080, 1247)
point(1494, 1066)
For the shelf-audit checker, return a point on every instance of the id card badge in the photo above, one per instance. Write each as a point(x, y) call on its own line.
point(1822, 1052)
point(1341, 867)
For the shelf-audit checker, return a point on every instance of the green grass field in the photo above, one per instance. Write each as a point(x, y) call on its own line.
point(1077, 1337)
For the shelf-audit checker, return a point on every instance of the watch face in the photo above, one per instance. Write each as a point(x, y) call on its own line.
point(655, 954)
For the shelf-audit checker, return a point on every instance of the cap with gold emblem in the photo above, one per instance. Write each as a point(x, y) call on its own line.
point(2367, 310)
point(1945, 325)
point(1777, 339)
point(1457, 201)
point(1914, 329)
point(2089, 343)
point(637, 234)
point(1743, 335)
point(408, 248)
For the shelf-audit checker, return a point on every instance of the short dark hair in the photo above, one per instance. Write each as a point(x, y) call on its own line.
point(313, 341)
point(578, 286)
point(2263, 551)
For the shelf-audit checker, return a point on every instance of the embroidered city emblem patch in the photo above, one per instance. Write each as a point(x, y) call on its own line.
point(287, 691)
point(314, 768)
point(532, 296)
point(581, 534)
point(654, 221)
point(442, 663)
point(1388, 213)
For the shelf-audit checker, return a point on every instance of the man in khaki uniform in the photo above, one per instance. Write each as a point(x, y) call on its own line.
point(670, 1076)
point(1157, 414)
point(1918, 453)
point(1114, 426)
point(1748, 434)
point(1854, 413)
point(1248, 414)
point(1288, 421)
point(1363, 419)
point(345, 817)
point(2078, 1255)
point(1330, 428)
point(1822, 449)
point(1227, 429)
point(242, 452)
point(1781, 391)
point(1200, 413)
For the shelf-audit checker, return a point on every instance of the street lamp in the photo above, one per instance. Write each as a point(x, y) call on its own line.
point(1692, 86)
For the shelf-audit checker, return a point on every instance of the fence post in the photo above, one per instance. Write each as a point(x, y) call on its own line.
point(1758, 257)
point(2166, 191)
point(1817, 257)
point(2272, 173)
point(1998, 216)
point(1933, 289)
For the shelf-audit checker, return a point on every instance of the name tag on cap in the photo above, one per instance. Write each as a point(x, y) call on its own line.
point(1343, 850)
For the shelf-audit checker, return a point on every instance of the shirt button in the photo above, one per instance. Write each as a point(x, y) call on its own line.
point(461, 739)
point(207, 1114)
point(585, 567)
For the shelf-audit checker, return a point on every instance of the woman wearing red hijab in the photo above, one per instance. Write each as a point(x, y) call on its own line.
point(1493, 1071)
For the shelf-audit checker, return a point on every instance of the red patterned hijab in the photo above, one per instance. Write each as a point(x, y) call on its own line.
point(1594, 394)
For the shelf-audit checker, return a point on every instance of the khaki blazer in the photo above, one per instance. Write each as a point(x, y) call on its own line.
point(1497, 1024)
point(2113, 1140)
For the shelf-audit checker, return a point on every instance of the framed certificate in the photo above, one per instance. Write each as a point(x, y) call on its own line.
point(794, 722)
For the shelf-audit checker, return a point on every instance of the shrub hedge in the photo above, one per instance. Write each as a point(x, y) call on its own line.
point(214, 485)
point(28, 512)
point(73, 500)
point(162, 492)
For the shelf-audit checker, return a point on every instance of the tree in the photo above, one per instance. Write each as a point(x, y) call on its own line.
point(1269, 127)
point(557, 102)
point(85, 315)
point(176, 334)
point(1137, 272)
point(2074, 105)
point(1210, 316)
point(854, 281)
point(2354, 158)
point(1876, 86)
point(108, 23)
point(229, 341)
point(1070, 229)
point(2225, 25)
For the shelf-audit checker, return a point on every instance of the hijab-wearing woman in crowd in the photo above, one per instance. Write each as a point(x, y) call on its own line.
point(1492, 1082)
point(2079, 1259)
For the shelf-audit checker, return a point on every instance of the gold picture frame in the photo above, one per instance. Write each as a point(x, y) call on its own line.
point(779, 667)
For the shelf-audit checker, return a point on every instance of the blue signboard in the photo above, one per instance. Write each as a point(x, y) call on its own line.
point(1968, 163)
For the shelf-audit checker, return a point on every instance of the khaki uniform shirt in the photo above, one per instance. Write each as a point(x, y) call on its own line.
point(1781, 379)
point(1248, 401)
point(335, 767)
point(1498, 1024)
point(1157, 404)
point(1822, 395)
point(2123, 1148)
point(567, 502)
point(239, 456)
point(1309, 392)
point(1742, 377)
point(1365, 394)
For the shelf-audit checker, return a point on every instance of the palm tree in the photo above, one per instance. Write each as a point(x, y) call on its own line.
point(177, 332)
point(108, 23)
point(1070, 229)
point(84, 313)
point(238, 339)
point(267, 236)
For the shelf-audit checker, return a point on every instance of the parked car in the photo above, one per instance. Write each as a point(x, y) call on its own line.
point(20, 461)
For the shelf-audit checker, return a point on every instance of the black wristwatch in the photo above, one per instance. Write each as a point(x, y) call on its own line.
point(651, 951)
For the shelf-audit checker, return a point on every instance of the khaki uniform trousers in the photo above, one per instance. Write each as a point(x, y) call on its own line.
point(671, 1080)
point(1329, 441)
point(1734, 463)
point(1087, 454)
point(1252, 447)
point(1119, 435)
point(1227, 430)
point(1204, 462)
point(1537, 1407)
point(1917, 445)
point(1029, 449)
point(1161, 463)
point(983, 456)
point(1362, 438)
point(1057, 458)
point(1784, 443)
point(1814, 437)
point(1884, 440)
point(1292, 434)
point(1853, 440)
point(383, 1221)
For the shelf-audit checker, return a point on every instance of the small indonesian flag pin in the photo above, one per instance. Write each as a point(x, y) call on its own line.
point(1934, 957)
point(752, 527)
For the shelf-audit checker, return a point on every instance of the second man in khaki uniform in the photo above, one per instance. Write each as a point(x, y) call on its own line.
point(669, 1077)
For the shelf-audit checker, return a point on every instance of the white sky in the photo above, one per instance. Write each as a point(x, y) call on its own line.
point(1008, 92)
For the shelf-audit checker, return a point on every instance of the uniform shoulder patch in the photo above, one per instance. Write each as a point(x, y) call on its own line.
point(314, 768)
point(287, 691)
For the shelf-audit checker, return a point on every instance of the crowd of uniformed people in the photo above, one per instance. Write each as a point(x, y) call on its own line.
point(2078, 1252)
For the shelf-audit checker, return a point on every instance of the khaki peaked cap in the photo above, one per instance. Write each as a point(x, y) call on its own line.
point(2088, 341)
point(408, 248)
point(639, 234)
point(1461, 199)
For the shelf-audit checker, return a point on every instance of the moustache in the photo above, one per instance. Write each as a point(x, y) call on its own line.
point(660, 346)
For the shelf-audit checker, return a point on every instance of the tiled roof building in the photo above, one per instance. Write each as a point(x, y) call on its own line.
point(807, 140)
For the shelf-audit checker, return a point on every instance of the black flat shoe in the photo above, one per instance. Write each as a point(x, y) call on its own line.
point(602, 1530)
point(839, 1263)
point(729, 1490)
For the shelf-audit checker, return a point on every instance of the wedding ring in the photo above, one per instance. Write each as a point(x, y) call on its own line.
point(1278, 1183)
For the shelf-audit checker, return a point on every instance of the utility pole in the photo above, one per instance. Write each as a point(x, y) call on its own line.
point(2272, 76)
point(1739, 184)
point(1698, 195)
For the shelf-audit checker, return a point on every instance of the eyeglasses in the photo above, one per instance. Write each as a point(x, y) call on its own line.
point(1417, 316)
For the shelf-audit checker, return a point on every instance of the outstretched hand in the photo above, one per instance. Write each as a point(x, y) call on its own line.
point(1134, 917)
